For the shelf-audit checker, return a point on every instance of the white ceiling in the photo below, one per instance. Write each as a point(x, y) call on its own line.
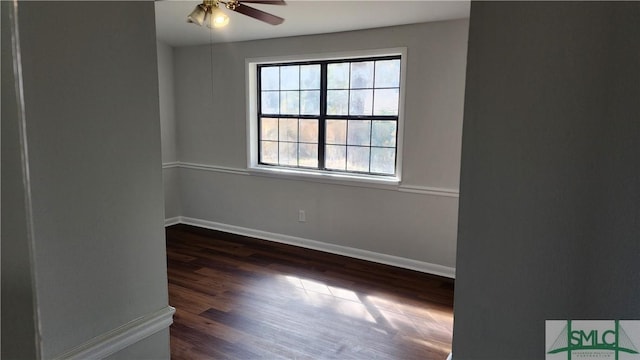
point(302, 17)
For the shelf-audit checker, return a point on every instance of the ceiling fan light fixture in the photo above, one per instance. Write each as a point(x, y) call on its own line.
point(209, 12)
point(198, 15)
point(216, 18)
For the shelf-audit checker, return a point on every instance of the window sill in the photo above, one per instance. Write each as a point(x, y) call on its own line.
point(390, 183)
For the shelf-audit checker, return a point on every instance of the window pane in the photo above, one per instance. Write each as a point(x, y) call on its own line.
point(336, 132)
point(288, 154)
point(383, 160)
point(308, 131)
point(269, 152)
point(362, 75)
point(310, 77)
point(310, 102)
point(290, 77)
point(383, 133)
point(357, 158)
point(288, 129)
point(270, 102)
point(338, 76)
point(386, 102)
point(337, 102)
point(361, 102)
point(335, 157)
point(308, 155)
point(359, 132)
point(289, 102)
point(270, 78)
point(388, 73)
point(269, 129)
point(359, 124)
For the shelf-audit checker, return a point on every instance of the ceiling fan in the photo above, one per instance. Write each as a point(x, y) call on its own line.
point(209, 12)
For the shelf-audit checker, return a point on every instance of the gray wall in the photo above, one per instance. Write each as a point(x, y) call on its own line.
point(211, 130)
point(170, 173)
point(167, 103)
point(550, 184)
point(153, 347)
point(92, 115)
point(18, 323)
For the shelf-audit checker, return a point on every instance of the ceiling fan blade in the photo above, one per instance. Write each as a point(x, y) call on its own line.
point(259, 14)
point(268, 2)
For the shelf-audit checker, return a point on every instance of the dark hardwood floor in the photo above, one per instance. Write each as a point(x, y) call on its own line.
point(243, 298)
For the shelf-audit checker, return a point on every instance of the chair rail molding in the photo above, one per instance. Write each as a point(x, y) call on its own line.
point(121, 337)
point(415, 189)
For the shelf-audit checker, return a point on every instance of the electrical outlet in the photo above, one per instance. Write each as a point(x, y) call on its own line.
point(302, 217)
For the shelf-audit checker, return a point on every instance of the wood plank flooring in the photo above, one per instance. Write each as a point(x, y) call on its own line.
point(243, 298)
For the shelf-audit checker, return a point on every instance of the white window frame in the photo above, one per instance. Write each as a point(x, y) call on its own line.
point(253, 166)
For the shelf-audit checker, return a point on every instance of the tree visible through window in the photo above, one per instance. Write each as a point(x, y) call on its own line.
point(332, 115)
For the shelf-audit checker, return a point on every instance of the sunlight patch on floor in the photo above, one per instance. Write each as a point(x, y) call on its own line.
point(436, 345)
point(442, 315)
point(340, 300)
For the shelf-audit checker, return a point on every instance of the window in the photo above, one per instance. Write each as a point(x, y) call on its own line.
point(337, 116)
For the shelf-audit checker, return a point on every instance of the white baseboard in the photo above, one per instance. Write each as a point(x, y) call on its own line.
point(120, 338)
point(450, 357)
point(326, 247)
point(172, 221)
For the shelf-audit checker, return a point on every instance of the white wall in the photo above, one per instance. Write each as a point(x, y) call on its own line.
point(211, 131)
point(92, 122)
point(170, 173)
